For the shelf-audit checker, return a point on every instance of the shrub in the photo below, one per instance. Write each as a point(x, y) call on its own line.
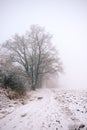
point(11, 80)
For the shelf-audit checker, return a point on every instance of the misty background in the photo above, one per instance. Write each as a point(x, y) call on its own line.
point(65, 19)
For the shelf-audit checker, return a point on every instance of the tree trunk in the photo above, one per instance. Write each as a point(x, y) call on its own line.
point(33, 87)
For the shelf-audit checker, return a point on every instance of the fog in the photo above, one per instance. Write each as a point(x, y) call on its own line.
point(65, 19)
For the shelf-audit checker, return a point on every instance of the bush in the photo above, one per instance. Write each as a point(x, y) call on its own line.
point(13, 81)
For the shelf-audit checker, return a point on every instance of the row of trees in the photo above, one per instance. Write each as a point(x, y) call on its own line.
point(30, 58)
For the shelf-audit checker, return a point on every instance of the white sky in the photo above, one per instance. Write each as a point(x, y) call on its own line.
point(65, 19)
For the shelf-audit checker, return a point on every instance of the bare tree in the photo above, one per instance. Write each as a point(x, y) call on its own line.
point(35, 54)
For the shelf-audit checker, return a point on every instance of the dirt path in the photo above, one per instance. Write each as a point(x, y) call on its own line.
point(45, 110)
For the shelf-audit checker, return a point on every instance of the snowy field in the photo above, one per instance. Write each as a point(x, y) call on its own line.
point(46, 109)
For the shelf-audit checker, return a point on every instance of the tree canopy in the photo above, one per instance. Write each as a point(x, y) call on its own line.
point(35, 54)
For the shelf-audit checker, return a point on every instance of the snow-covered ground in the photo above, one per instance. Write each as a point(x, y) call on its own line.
point(46, 109)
